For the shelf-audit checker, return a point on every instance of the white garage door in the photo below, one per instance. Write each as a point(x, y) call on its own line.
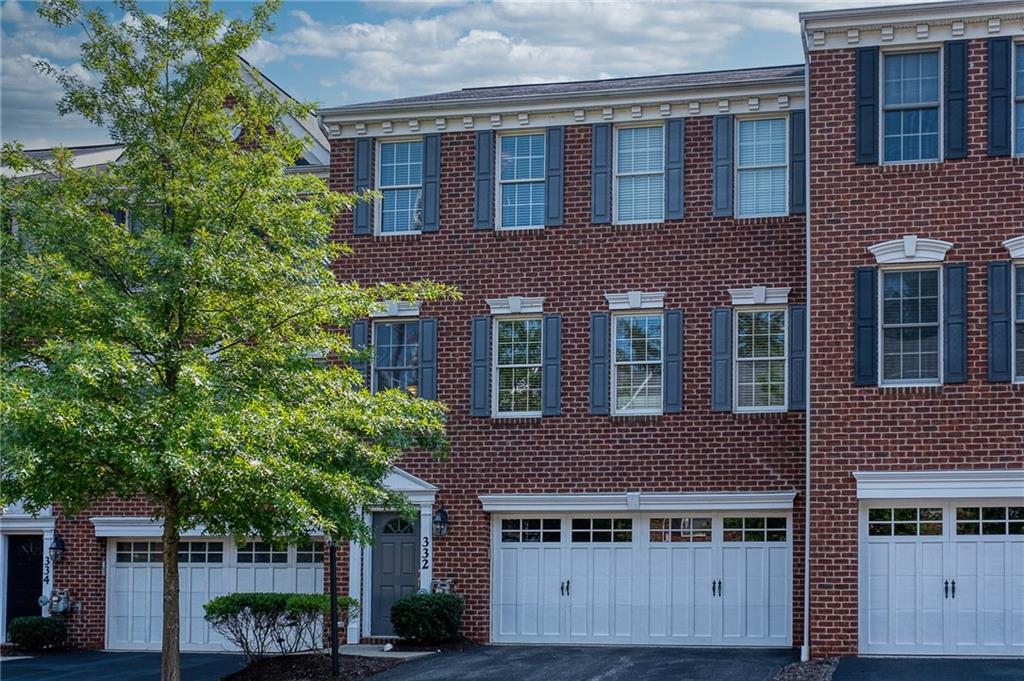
point(942, 578)
point(207, 568)
point(698, 579)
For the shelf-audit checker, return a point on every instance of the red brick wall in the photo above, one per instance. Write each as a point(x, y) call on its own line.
point(975, 203)
point(694, 261)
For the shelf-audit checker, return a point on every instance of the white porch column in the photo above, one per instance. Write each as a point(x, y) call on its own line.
point(48, 570)
point(355, 579)
point(426, 550)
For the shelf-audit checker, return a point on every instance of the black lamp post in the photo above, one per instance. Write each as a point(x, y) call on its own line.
point(441, 522)
point(57, 548)
point(335, 660)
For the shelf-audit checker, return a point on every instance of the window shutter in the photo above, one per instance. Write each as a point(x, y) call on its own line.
point(428, 359)
point(721, 359)
point(797, 162)
point(867, 105)
point(999, 96)
point(954, 322)
point(600, 349)
point(483, 205)
point(722, 166)
point(431, 183)
point(1000, 324)
point(956, 99)
point(551, 368)
point(363, 180)
point(360, 338)
point(673, 371)
point(553, 176)
point(480, 368)
point(601, 174)
point(865, 331)
point(797, 357)
point(674, 154)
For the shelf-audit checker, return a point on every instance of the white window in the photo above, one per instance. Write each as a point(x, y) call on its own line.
point(396, 354)
point(261, 552)
point(760, 360)
point(639, 174)
point(762, 167)
point(910, 107)
point(637, 358)
point(310, 552)
point(754, 529)
point(904, 522)
point(517, 366)
point(400, 181)
point(521, 181)
point(1019, 100)
point(201, 552)
point(1018, 323)
point(910, 319)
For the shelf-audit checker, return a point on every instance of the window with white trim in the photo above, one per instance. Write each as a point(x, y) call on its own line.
point(989, 520)
point(310, 552)
point(904, 522)
point(531, 530)
point(760, 359)
point(1018, 323)
point(910, 319)
point(762, 167)
point(262, 552)
point(639, 174)
point(396, 355)
point(637, 363)
point(680, 530)
point(201, 552)
point(400, 175)
point(139, 552)
point(910, 106)
point(521, 181)
point(602, 530)
point(1018, 103)
point(517, 366)
point(754, 529)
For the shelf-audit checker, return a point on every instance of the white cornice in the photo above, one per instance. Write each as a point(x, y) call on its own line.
point(638, 502)
point(910, 249)
point(943, 484)
point(636, 300)
point(1016, 247)
point(760, 295)
point(397, 308)
point(516, 305)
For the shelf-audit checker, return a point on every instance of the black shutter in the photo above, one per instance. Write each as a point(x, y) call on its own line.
point(867, 105)
point(865, 326)
point(672, 377)
point(954, 322)
point(551, 367)
point(956, 99)
point(600, 350)
point(363, 180)
point(483, 204)
point(797, 357)
point(601, 174)
point(428, 359)
point(1000, 96)
point(480, 367)
point(554, 174)
point(797, 162)
point(431, 183)
point(360, 338)
point(1000, 322)
point(721, 359)
point(674, 154)
point(722, 162)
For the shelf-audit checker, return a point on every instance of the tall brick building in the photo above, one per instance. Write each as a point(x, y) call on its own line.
point(629, 372)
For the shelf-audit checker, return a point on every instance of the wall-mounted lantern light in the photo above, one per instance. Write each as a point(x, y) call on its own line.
point(441, 522)
point(57, 548)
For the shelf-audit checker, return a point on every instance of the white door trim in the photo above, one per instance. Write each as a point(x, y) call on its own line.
point(14, 521)
point(637, 502)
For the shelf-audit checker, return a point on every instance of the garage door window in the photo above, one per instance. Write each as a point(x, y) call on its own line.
point(310, 552)
point(601, 530)
point(201, 552)
point(531, 530)
point(139, 551)
point(680, 529)
point(904, 522)
point(997, 520)
point(756, 529)
point(261, 552)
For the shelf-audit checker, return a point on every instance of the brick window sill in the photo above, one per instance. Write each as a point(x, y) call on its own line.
point(740, 416)
point(918, 167)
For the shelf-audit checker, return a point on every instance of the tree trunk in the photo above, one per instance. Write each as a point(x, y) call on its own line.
point(170, 658)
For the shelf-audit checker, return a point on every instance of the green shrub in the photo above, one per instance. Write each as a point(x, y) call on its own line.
point(37, 633)
point(428, 618)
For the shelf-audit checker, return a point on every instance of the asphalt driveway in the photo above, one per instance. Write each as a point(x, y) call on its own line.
point(564, 663)
point(100, 666)
point(928, 669)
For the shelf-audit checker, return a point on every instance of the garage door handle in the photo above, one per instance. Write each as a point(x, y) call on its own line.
point(562, 588)
point(719, 588)
point(953, 584)
point(945, 589)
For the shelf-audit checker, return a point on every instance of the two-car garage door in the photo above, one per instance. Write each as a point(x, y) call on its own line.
point(698, 579)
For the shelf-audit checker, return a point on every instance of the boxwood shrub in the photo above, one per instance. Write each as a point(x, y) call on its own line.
point(37, 633)
point(427, 618)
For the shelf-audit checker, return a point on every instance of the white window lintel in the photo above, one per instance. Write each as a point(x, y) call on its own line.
point(910, 249)
point(636, 300)
point(516, 305)
point(1016, 247)
point(940, 484)
point(397, 308)
point(760, 295)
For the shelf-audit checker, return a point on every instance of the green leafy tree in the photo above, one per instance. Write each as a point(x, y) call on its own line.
point(189, 358)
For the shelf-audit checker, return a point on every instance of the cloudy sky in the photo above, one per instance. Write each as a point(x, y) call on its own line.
point(335, 52)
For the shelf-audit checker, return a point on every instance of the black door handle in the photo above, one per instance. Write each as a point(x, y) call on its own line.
point(953, 584)
point(719, 588)
point(568, 589)
point(712, 588)
point(945, 589)
point(562, 588)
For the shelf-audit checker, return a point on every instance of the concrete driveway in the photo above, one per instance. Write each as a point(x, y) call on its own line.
point(928, 669)
point(564, 663)
point(100, 666)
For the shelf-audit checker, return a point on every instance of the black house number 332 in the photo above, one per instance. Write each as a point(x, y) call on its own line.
point(425, 555)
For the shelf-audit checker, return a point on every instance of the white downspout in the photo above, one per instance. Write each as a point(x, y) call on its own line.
point(805, 649)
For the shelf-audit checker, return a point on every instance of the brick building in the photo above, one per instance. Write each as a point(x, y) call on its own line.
point(627, 372)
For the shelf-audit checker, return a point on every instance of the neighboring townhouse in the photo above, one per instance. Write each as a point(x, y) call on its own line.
point(627, 371)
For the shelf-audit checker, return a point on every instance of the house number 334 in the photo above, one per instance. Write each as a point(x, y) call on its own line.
point(425, 554)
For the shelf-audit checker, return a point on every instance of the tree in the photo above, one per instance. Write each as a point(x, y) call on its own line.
point(189, 354)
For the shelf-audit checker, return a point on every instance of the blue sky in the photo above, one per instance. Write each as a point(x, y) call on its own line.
point(336, 52)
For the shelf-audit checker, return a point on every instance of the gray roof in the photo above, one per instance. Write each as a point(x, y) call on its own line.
point(585, 87)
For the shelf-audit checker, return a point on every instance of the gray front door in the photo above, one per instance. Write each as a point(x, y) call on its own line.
point(396, 569)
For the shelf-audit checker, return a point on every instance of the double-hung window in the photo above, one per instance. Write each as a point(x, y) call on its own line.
point(910, 319)
point(640, 174)
point(910, 96)
point(762, 173)
point(396, 348)
point(637, 357)
point(517, 366)
point(760, 360)
point(400, 208)
point(1018, 94)
point(1018, 323)
point(521, 181)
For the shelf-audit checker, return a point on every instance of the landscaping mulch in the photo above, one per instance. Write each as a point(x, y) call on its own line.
point(451, 647)
point(311, 668)
point(812, 670)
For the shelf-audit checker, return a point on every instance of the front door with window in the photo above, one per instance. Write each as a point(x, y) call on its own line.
point(24, 575)
point(395, 567)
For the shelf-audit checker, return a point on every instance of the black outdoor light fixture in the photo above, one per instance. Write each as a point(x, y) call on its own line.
point(441, 522)
point(57, 548)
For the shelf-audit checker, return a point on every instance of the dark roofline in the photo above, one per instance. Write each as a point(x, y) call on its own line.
point(81, 147)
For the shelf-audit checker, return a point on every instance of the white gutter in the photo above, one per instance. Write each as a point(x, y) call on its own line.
point(805, 649)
